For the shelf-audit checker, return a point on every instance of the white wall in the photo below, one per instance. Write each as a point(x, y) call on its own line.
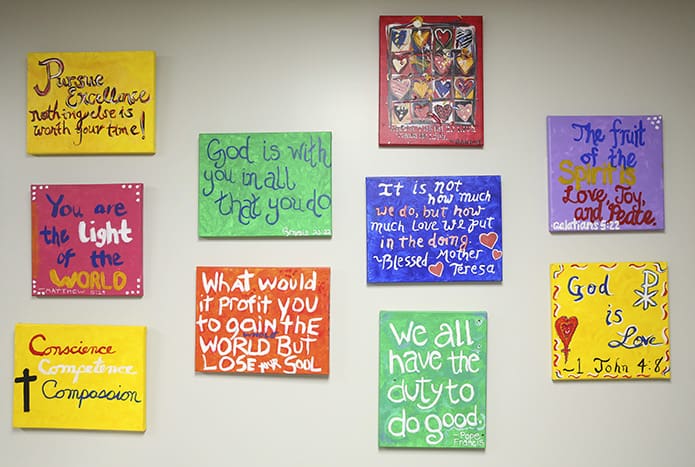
point(311, 65)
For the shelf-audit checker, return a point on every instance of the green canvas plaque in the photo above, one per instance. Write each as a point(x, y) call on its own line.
point(432, 379)
point(265, 185)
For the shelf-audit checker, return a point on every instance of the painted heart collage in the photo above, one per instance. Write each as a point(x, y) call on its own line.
point(431, 74)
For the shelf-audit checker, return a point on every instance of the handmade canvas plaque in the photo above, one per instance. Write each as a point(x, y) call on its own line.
point(87, 240)
point(262, 320)
point(605, 173)
point(91, 102)
point(265, 185)
point(434, 229)
point(79, 377)
point(610, 321)
point(432, 379)
point(431, 80)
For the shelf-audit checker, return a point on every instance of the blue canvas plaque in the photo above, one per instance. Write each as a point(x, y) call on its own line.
point(434, 229)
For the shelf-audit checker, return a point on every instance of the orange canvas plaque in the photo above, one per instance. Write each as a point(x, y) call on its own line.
point(262, 320)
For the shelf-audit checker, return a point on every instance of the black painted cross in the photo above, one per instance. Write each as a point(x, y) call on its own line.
point(25, 379)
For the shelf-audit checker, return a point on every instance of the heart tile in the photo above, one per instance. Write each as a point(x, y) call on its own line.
point(399, 63)
point(464, 88)
point(400, 87)
point(421, 111)
point(465, 63)
point(421, 37)
point(422, 89)
point(400, 111)
point(420, 64)
point(442, 64)
point(464, 111)
point(443, 87)
point(464, 37)
point(398, 37)
point(443, 111)
point(442, 36)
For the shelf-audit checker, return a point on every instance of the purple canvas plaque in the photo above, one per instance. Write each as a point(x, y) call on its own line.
point(605, 173)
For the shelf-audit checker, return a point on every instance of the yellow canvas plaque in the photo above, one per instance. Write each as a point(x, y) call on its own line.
point(91, 102)
point(79, 377)
point(610, 321)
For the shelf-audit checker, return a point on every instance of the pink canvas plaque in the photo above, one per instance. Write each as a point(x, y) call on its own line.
point(87, 240)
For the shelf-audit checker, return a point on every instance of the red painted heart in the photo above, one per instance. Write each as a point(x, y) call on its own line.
point(442, 64)
point(436, 269)
point(565, 327)
point(443, 36)
point(489, 239)
point(443, 111)
point(422, 111)
point(496, 254)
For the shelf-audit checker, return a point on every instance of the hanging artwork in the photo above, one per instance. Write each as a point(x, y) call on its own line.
point(431, 80)
point(87, 240)
point(262, 320)
point(265, 185)
point(610, 321)
point(432, 379)
point(434, 229)
point(91, 102)
point(79, 377)
point(605, 173)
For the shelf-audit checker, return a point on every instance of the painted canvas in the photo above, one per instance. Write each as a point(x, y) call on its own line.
point(87, 240)
point(610, 321)
point(262, 320)
point(79, 377)
point(91, 102)
point(431, 80)
point(605, 173)
point(434, 229)
point(265, 185)
point(432, 379)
